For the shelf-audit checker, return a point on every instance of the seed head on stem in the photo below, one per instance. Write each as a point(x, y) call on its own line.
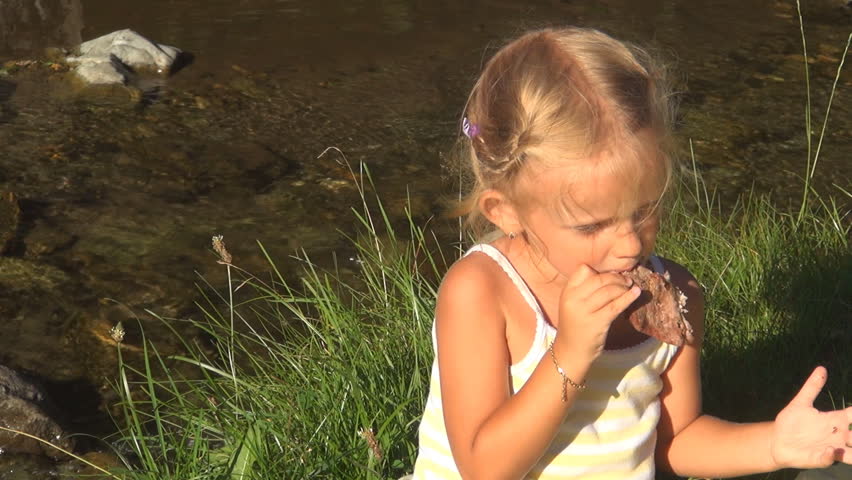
point(219, 248)
point(368, 435)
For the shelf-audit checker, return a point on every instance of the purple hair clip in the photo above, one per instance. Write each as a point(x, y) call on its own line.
point(470, 130)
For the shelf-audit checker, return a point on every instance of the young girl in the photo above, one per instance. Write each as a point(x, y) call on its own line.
point(537, 372)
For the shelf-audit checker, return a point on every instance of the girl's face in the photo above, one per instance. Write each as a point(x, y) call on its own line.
point(587, 222)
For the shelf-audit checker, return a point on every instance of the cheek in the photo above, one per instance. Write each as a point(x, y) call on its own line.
point(591, 250)
point(575, 250)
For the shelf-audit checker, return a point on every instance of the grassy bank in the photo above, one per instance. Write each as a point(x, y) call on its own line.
point(326, 378)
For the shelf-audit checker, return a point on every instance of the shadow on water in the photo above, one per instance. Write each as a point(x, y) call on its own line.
point(31, 210)
point(183, 60)
point(151, 87)
point(7, 113)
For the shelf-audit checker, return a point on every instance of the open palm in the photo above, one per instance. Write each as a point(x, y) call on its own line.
point(804, 437)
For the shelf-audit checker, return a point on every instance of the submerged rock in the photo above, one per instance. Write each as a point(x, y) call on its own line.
point(13, 384)
point(26, 467)
point(112, 57)
point(21, 410)
point(38, 321)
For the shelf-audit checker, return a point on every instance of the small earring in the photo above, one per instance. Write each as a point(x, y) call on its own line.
point(512, 235)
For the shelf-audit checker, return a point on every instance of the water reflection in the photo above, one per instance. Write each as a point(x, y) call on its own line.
point(28, 25)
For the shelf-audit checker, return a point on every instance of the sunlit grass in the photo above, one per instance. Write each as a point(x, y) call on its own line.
point(309, 369)
point(324, 379)
point(778, 288)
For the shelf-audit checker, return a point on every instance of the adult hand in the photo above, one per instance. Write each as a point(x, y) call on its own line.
point(804, 437)
point(588, 304)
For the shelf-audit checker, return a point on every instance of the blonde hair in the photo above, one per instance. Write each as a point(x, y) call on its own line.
point(557, 96)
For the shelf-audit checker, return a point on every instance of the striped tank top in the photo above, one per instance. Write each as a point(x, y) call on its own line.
point(610, 432)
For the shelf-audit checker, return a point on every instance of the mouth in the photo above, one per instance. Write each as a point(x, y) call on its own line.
point(644, 262)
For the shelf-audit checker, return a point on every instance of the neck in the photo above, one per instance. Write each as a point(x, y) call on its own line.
point(532, 262)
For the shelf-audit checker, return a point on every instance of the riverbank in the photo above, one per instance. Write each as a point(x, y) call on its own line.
point(326, 377)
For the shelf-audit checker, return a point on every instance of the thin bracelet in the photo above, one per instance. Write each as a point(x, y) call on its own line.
point(565, 380)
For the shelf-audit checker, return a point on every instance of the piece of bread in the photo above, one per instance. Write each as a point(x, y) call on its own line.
point(659, 310)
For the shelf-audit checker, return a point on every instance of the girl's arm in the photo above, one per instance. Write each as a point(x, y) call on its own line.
point(692, 444)
point(493, 433)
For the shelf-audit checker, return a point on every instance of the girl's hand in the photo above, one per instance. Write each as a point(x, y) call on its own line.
point(804, 437)
point(588, 305)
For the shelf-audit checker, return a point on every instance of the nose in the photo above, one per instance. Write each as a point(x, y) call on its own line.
point(628, 243)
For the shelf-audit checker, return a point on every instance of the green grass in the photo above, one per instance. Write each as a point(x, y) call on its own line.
point(778, 289)
point(294, 373)
point(297, 375)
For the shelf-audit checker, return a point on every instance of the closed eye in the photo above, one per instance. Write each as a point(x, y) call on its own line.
point(591, 228)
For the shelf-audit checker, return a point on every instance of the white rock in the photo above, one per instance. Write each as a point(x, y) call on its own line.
point(126, 47)
point(99, 73)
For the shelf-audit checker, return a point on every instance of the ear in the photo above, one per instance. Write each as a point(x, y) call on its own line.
point(500, 211)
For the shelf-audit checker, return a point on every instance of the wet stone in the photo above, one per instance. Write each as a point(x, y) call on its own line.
point(45, 239)
point(27, 417)
point(21, 410)
point(12, 384)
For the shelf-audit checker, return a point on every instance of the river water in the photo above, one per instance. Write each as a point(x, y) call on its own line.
point(120, 190)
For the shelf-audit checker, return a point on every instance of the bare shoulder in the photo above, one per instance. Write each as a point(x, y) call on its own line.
point(472, 279)
point(469, 299)
point(683, 279)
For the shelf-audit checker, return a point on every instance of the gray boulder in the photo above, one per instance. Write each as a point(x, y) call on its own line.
point(106, 59)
